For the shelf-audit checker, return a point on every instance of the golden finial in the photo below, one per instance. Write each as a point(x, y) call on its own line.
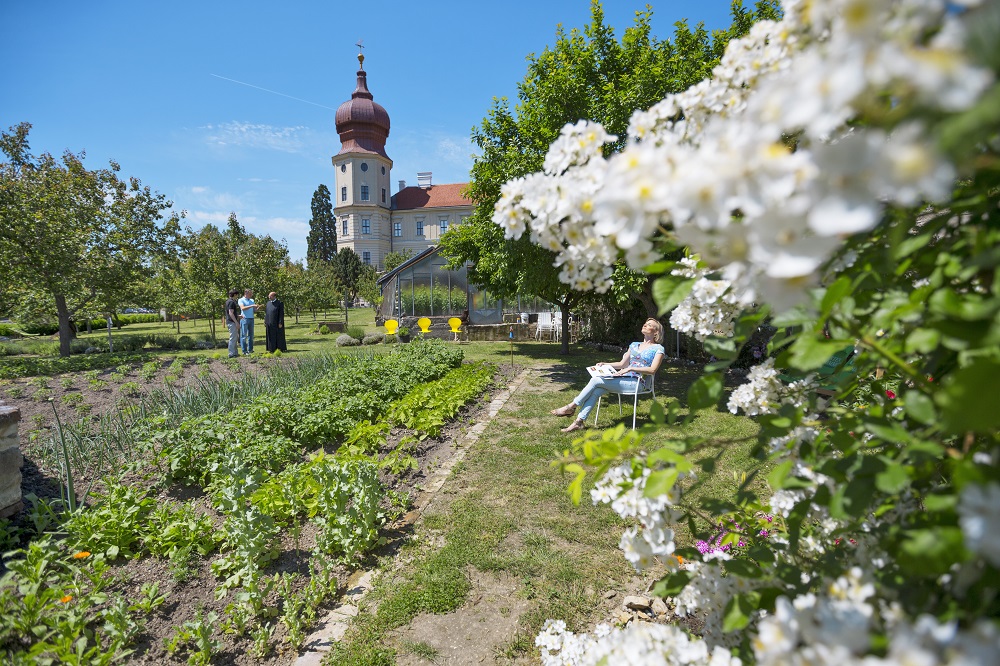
point(361, 56)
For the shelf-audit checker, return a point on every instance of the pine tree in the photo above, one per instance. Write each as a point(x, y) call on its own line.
point(322, 241)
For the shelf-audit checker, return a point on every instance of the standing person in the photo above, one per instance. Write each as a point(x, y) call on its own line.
point(231, 312)
point(274, 324)
point(642, 359)
point(246, 330)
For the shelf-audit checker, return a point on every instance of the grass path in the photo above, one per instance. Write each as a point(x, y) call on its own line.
point(501, 548)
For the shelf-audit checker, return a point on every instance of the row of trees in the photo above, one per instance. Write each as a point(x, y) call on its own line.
point(77, 243)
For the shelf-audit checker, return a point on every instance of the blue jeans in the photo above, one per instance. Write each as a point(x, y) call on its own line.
point(597, 387)
point(246, 335)
point(234, 338)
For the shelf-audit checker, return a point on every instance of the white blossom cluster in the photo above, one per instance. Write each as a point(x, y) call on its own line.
point(625, 492)
point(709, 164)
point(639, 644)
point(712, 307)
point(834, 629)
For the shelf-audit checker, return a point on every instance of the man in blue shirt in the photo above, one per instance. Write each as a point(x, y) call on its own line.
point(246, 328)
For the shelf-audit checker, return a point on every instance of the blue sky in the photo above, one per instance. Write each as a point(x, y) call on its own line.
point(139, 82)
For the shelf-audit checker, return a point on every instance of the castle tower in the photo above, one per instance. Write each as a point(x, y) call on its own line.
point(362, 203)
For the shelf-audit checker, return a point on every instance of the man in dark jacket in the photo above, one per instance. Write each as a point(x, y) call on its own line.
point(231, 314)
point(274, 324)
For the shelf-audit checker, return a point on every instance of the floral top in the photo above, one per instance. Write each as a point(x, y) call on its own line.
point(642, 358)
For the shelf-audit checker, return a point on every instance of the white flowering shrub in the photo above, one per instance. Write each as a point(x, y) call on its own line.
point(840, 174)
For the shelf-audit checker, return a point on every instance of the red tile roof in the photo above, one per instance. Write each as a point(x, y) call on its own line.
point(438, 196)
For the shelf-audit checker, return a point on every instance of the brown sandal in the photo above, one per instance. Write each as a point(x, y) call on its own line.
point(564, 411)
point(575, 425)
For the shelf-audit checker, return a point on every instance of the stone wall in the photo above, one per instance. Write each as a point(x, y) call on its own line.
point(10, 462)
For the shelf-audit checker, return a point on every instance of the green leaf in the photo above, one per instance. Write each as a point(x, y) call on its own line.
point(705, 392)
point(738, 611)
point(672, 584)
point(724, 348)
point(965, 401)
point(809, 352)
point(893, 479)
point(743, 568)
point(834, 293)
point(670, 290)
point(919, 406)
point(923, 341)
point(660, 482)
point(797, 316)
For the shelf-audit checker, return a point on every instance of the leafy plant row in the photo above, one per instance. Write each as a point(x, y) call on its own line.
point(257, 482)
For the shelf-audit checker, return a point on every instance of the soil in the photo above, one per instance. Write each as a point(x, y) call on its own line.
point(189, 589)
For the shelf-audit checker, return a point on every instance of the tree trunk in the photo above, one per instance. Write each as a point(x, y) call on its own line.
point(564, 307)
point(646, 298)
point(65, 332)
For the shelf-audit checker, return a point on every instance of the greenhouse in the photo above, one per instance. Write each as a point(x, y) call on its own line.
point(423, 286)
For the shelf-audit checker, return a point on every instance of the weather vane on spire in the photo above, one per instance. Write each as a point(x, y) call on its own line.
point(361, 55)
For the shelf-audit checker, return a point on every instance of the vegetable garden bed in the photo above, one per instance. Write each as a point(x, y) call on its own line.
point(236, 513)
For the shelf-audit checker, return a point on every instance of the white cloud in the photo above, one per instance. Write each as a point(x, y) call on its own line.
point(251, 135)
point(198, 189)
point(457, 150)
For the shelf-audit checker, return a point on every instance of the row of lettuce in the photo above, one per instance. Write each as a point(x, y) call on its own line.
point(306, 460)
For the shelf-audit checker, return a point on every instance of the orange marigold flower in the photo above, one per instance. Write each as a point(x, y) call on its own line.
point(82, 554)
point(67, 598)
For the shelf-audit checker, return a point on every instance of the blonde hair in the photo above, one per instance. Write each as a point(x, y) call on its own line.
point(659, 329)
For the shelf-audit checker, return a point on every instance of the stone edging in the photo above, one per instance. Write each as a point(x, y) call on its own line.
point(333, 627)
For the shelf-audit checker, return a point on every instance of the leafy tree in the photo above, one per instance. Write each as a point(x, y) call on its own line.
point(586, 75)
point(322, 240)
point(368, 287)
point(394, 259)
point(82, 237)
point(349, 268)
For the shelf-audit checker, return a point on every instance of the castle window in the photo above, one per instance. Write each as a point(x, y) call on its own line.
point(364, 193)
point(343, 194)
point(444, 224)
point(366, 257)
point(344, 223)
point(383, 171)
point(383, 195)
point(420, 227)
point(364, 166)
point(397, 229)
point(366, 226)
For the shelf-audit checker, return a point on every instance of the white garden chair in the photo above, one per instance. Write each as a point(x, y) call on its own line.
point(647, 384)
point(544, 325)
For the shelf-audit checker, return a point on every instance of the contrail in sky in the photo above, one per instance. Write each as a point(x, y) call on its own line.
point(271, 91)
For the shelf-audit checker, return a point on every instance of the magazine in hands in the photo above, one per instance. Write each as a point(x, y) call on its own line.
point(601, 370)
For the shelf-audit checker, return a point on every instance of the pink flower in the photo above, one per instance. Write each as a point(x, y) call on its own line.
point(891, 394)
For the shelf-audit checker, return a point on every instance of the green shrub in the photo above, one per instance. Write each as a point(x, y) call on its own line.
point(139, 319)
point(8, 331)
point(185, 342)
point(356, 332)
point(39, 328)
point(324, 330)
point(373, 339)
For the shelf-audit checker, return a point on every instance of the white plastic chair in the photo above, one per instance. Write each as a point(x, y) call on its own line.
point(544, 324)
point(647, 384)
point(557, 326)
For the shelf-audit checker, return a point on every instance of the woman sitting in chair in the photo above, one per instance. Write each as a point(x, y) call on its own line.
point(642, 359)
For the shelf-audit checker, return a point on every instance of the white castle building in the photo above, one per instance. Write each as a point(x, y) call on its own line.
point(369, 220)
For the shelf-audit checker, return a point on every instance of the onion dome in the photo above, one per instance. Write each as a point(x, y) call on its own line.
point(363, 125)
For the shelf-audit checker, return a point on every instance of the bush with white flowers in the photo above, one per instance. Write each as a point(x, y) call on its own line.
point(839, 174)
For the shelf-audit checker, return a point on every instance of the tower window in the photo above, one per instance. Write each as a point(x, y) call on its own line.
point(397, 229)
point(366, 257)
point(343, 194)
point(420, 227)
point(383, 171)
point(343, 168)
point(364, 166)
point(366, 226)
point(344, 227)
point(364, 193)
point(383, 195)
